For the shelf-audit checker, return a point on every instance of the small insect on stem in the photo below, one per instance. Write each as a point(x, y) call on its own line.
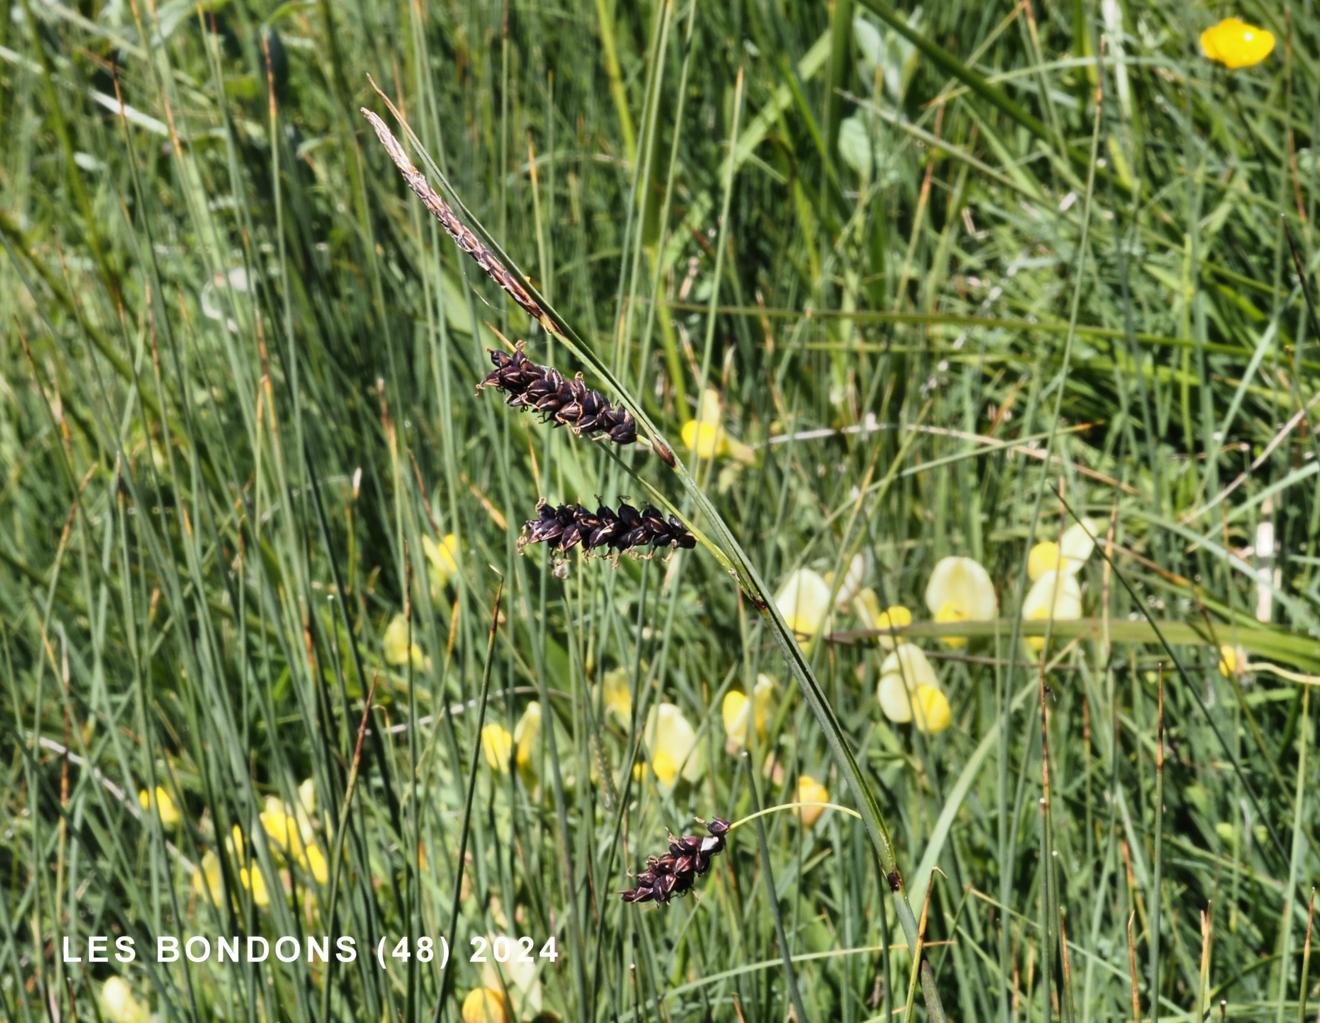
point(455, 228)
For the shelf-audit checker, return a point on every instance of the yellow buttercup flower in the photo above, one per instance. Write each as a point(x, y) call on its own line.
point(706, 437)
point(1236, 44)
point(496, 746)
point(742, 713)
point(1055, 595)
point(163, 804)
point(960, 590)
point(119, 1004)
point(398, 650)
point(485, 1005)
point(905, 671)
point(672, 743)
point(930, 710)
point(616, 695)
point(526, 734)
point(804, 601)
point(809, 790)
point(441, 561)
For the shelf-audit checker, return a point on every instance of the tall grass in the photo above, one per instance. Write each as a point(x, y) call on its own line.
point(961, 275)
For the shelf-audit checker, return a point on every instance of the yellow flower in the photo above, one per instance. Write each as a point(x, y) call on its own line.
point(905, 671)
point(397, 648)
point(119, 1004)
point(314, 860)
point(165, 808)
point(804, 601)
point(255, 881)
point(1235, 44)
point(208, 879)
point(742, 713)
point(1232, 660)
point(891, 620)
point(1068, 555)
point(706, 437)
point(485, 1005)
point(809, 790)
point(526, 733)
point(281, 826)
point(851, 583)
point(1044, 557)
point(1055, 595)
point(616, 696)
point(960, 590)
point(930, 710)
point(672, 743)
point(496, 746)
point(441, 561)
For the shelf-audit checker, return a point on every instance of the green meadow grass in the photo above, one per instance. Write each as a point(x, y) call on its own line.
point(961, 275)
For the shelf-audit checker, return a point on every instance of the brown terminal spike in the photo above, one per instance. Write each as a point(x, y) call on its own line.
point(455, 228)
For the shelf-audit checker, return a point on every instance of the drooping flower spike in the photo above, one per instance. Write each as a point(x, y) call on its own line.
point(561, 401)
point(672, 874)
point(565, 526)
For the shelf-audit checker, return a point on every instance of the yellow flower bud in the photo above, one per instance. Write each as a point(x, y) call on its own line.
point(809, 790)
point(1232, 660)
point(164, 806)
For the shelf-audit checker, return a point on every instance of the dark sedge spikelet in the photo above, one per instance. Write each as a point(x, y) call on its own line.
point(565, 526)
point(673, 873)
point(562, 401)
point(455, 228)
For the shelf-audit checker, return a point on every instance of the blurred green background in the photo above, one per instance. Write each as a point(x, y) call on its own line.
point(959, 275)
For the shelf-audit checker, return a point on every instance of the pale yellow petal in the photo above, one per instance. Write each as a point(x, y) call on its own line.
point(804, 601)
point(119, 1004)
point(962, 585)
point(672, 742)
point(1077, 544)
point(809, 790)
point(496, 746)
point(736, 711)
point(616, 696)
point(895, 699)
point(1055, 595)
point(527, 733)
